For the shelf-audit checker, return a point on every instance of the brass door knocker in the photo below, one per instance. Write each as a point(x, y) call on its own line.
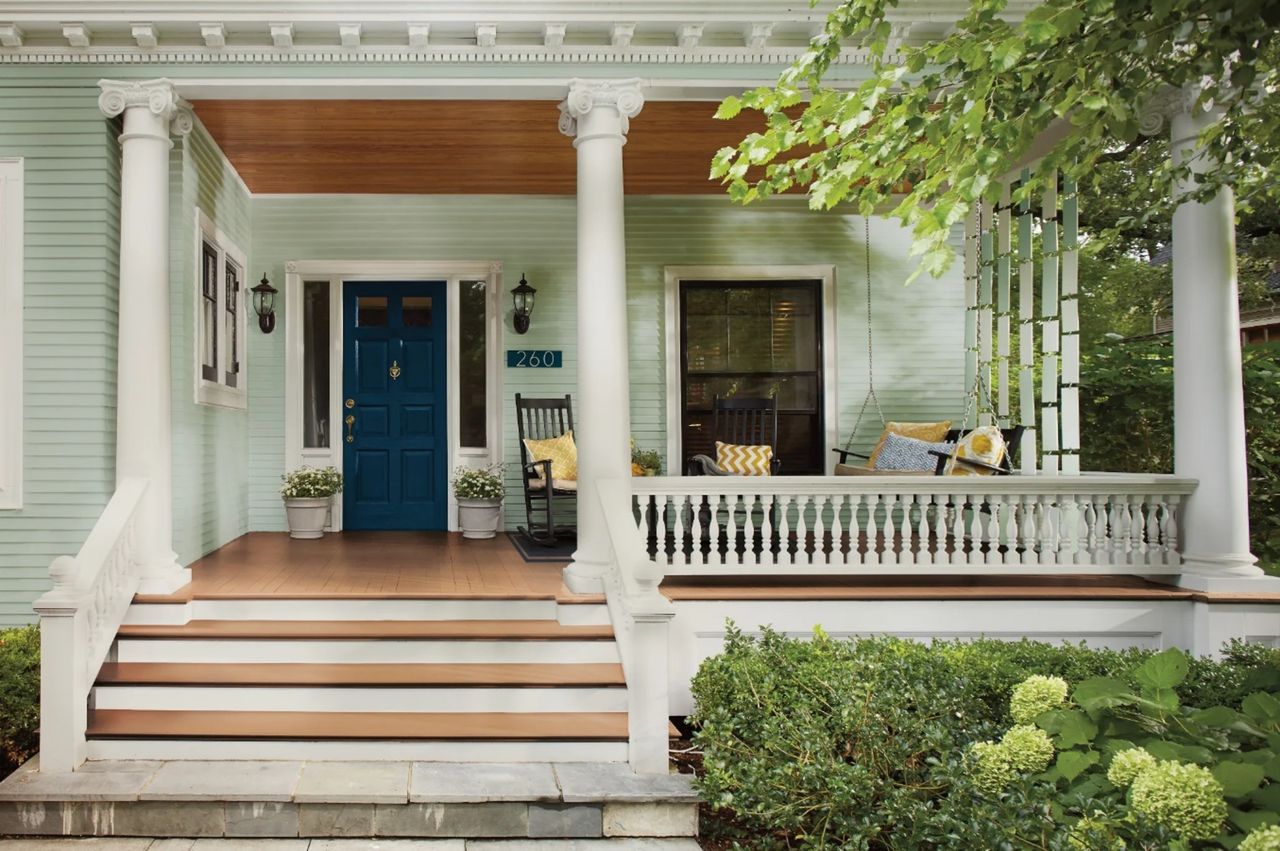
point(394, 372)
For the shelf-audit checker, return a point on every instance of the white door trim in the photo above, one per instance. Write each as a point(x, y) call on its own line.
point(673, 275)
point(336, 272)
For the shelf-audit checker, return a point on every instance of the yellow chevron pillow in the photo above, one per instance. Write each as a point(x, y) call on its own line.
point(744, 460)
point(561, 451)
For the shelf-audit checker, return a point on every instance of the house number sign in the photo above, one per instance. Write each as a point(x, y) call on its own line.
point(535, 358)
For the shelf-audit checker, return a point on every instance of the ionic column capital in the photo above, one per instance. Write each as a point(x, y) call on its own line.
point(622, 100)
point(1168, 104)
point(160, 97)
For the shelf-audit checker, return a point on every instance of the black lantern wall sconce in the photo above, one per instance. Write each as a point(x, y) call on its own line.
point(522, 302)
point(264, 304)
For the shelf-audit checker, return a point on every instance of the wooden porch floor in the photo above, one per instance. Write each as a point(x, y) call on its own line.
point(374, 565)
point(437, 565)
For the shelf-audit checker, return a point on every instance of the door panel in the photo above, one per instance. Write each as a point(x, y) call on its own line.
point(395, 452)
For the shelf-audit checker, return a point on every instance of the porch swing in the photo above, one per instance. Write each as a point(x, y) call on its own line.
point(923, 449)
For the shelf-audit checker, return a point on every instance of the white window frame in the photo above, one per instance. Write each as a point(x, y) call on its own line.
point(217, 392)
point(673, 275)
point(12, 248)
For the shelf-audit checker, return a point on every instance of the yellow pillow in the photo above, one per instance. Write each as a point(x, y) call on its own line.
point(744, 460)
point(984, 444)
point(561, 451)
point(928, 432)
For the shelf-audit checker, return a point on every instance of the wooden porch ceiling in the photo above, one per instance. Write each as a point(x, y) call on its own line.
point(424, 147)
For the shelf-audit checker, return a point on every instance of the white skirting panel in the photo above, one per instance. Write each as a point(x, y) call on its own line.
point(699, 627)
point(378, 751)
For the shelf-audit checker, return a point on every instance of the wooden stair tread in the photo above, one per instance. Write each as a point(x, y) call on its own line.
point(463, 629)
point(346, 674)
point(187, 595)
point(171, 724)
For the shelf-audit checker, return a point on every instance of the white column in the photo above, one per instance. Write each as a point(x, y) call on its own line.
point(152, 111)
point(595, 115)
point(1208, 394)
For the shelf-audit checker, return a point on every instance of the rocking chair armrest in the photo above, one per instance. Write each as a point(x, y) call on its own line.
point(702, 465)
point(538, 470)
point(846, 454)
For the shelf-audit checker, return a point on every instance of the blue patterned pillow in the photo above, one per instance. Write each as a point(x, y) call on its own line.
point(908, 454)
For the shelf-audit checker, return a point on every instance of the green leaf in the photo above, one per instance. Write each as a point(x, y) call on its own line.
point(1071, 764)
point(1248, 821)
point(1101, 692)
point(1216, 716)
point(1163, 670)
point(1267, 797)
point(1261, 707)
point(729, 108)
point(1069, 727)
point(1237, 778)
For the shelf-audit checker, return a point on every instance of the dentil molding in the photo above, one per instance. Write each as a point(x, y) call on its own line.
point(159, 96)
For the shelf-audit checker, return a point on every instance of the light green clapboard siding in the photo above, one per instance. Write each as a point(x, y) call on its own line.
point(210, 487)
point(919, 375)
point(72, 177)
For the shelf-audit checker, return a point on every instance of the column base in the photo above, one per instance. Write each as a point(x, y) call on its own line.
point(1229, 584)
point(163, 576)
point(1222, 570)
point(584, 577)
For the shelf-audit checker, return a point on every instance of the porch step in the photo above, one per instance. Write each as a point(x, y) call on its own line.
point(385, 675)
point(573, 610)
point(505, 630)
point(404, 798)
point(491, 726)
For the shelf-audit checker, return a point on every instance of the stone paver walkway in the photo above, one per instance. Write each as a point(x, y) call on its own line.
point(134, 844)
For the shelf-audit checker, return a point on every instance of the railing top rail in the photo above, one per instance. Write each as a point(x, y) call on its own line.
point(1082, 485)
point(79, 574)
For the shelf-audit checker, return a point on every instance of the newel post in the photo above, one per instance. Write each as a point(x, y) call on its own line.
point(63, 693)
point(595, 114)
point(152, 111)
point(648, 676)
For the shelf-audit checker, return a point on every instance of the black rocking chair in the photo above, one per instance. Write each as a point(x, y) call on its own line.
point(543, 419)
point(745, 422)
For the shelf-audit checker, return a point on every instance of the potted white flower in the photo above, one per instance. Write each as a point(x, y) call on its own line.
point(307, 492)
point(479, 493)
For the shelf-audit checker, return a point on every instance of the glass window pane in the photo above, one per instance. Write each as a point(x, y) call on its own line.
point(472, 373)
point(416, 311)
point(315, 364)
point(750, 346)
point(700, 302)
point(371, 311)
point(751, 301)
point(231, 310)
point(209, 312)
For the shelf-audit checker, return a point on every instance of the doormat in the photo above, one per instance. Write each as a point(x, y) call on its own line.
point(535, 553)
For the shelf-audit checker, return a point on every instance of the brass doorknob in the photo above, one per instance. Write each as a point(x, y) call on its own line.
point(350, 403)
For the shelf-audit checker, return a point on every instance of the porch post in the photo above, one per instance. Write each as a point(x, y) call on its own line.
point(595, 114)
point(152, 111)
point(1208, 390)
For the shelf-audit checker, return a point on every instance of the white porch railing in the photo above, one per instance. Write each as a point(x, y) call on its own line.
point(866, 525)
point(79, 619)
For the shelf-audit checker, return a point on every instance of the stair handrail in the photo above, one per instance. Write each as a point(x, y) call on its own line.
point(642, 618)
point(79, 619)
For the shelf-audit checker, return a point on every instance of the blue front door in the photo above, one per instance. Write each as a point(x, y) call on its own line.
point(394, 404)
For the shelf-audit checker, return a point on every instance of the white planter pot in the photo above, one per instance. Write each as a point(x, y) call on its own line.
point(479, 517)
point(307, 516)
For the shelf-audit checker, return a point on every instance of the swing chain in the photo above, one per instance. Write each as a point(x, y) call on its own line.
point(871, 371)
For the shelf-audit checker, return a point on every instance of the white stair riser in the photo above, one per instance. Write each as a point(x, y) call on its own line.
point(583, 614)
point(327, 699)
point(193, 650)
point(341, 610)
point(377, 751)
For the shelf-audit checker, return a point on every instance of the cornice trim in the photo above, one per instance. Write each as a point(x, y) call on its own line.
point(604, 55)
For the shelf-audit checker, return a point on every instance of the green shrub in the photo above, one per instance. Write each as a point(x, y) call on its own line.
point(1137, 768)
point(19, 695)
point(863, 744)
